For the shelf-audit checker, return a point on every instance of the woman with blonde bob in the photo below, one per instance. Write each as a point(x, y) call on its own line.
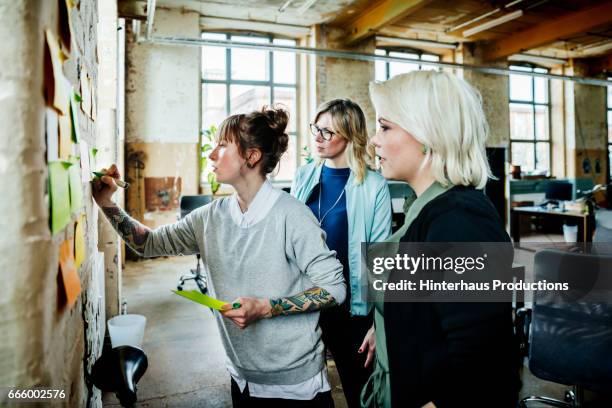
point(353, 205)
point(432, 135)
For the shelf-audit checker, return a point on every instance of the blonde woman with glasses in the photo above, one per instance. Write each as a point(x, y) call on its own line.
point(352, 204)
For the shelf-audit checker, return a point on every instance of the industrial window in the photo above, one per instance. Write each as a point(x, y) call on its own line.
point(609, 98)
point(530, 121)
point(238, 80)
point(385, 70)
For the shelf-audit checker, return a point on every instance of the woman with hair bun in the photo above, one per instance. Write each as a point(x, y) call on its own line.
point(263, 249)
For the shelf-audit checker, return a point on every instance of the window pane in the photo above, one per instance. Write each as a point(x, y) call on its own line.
point(284, 63)
point(541, 124)
point(522, 155)
point(286, 96)
point(521, 121)
point(380, 67)
point(213, 62)
point(541, 90)
point(250, 64)
point(396, 68)
point(288, 162)
point(213, 104)
point(609, 96)
point(429, 57)
point(543, 157)
point(214, 36)
point(609, 126)
point(248, 98)
point(520, 88)
point(610, 160)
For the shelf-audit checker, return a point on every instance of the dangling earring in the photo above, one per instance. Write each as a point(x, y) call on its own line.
point(424, 149)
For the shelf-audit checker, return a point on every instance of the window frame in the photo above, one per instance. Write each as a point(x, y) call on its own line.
point(270, 84)
point(533, 104)
point(405, 50)
point(608, 129)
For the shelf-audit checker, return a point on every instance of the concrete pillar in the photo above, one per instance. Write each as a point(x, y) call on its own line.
point(344, 78)
point(494, 91)
point(163, 85)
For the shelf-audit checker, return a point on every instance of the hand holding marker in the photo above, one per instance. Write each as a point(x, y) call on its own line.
point(120, 183)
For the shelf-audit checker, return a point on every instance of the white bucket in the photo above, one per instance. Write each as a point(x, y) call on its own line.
point(570, 233)
point(127, 330)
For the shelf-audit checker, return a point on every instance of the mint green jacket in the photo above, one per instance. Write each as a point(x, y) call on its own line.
point(368, 211)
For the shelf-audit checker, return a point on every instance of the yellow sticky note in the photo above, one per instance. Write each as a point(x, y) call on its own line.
point(198, 297)
point(79, 241)
point(60, 98)
point(65, 137)
point(59, 195)
point(70, 275)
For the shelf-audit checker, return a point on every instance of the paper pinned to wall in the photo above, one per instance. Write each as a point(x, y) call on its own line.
point(74, 116)
point(65, 137)
point(52, 134)
point(98, 271)
point(59, 195)
point(79, 241)
point(76, 188)
point(85, 89)
point(92, 158)
point(85, 169)
point(70, 275)
point(56, 84)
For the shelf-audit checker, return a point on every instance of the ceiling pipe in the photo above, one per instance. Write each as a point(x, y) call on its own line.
point(150, 18)
point(359, 56)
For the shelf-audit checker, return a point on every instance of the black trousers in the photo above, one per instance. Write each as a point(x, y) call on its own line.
point(244, 400)
point(343, 335)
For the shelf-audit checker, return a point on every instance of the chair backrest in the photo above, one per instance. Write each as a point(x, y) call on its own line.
point(188, 203)
point(571, 339)
point(603, 226)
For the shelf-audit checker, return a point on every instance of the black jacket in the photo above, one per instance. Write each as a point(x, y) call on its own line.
point(454, 354)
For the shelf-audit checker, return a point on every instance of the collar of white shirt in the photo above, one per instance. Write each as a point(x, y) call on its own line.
point(260, 206)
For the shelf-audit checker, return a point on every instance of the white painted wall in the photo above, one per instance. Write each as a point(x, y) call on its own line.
point(163, 88)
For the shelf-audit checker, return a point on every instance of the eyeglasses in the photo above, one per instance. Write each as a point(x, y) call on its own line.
point(325, 133)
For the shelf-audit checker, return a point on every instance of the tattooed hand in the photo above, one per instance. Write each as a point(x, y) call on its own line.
point(103, 188)
point(250, 310)
point(310, 300)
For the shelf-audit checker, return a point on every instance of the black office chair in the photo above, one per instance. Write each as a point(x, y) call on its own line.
point(603, 226)
point(187, 204)
point(570, 335)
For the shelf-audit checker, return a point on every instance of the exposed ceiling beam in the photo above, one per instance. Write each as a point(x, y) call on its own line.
point(600, 65)
point(214, 23)
point(563, 26)
point(378, 15)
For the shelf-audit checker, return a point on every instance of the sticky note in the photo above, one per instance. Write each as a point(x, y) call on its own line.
point(58, 95)
point(76, 135)
point(76, 188)
point(84, 161)
point(52, 134)
point(79, 241)
point(59, 195)
point(70, 275)
point(198, 297)
point(85, 87)
point(65, 137)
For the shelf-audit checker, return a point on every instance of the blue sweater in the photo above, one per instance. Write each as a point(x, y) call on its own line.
point(335, 222)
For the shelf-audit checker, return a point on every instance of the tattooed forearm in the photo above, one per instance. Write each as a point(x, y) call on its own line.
point(133, 233)
point(307, 301)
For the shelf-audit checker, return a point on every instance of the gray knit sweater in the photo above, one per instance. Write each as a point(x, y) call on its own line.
point(281, 255)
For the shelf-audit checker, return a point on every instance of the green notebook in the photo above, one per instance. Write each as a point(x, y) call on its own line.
point(198, 297)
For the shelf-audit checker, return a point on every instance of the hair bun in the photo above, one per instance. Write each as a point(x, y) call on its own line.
point(277, 118)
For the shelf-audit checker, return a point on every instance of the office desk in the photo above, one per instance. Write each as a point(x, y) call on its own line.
point(585, 222)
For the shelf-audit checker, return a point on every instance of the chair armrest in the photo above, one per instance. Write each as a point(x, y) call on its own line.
point(522, 323)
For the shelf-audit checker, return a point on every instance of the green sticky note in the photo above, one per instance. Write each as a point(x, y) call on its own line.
point(198, 297)
point(76, 189)
point(59, 195)
point(76, 135)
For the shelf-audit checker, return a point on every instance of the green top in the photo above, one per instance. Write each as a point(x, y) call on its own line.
point(377, 391)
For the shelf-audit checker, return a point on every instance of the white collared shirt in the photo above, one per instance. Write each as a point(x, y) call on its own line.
point(261, 205)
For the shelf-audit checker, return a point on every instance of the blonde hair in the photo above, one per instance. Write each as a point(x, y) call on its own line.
point(444, 113)
point(350, 124)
